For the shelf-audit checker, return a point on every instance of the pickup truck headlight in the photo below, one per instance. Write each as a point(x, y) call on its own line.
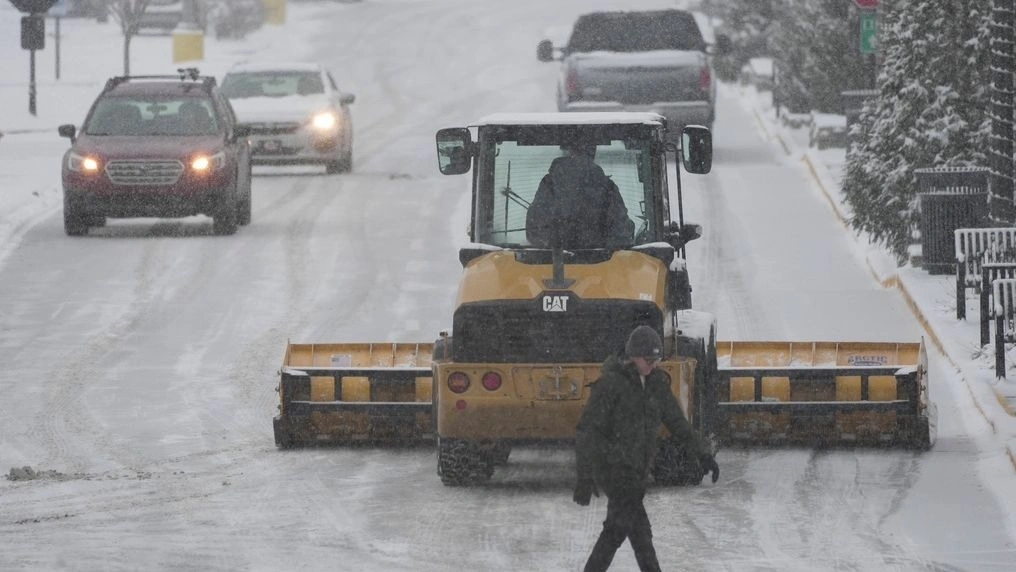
point(206, 163)
point(324, 121)
point(82, 163)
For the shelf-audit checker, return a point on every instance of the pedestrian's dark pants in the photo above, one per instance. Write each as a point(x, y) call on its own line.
point(626, 518)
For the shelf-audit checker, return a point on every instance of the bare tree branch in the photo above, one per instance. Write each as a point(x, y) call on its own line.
point(128, 14)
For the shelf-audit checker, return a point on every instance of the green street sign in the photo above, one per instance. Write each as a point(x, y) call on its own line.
point(869, 29)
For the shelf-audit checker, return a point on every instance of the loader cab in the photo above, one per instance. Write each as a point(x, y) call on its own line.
point(512, 154)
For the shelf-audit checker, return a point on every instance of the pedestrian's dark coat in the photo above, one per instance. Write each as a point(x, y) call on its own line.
point(619, 425)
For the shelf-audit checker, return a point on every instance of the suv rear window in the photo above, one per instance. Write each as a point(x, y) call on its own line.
point(636, 32)
point(137, 115)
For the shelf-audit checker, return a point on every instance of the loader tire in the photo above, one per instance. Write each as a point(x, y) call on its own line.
point(675, 465)
point(460, 464)
point(499, 455)
point(702, 408)
point(707, 381)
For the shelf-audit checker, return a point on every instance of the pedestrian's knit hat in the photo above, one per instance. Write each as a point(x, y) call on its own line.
point(644, 342)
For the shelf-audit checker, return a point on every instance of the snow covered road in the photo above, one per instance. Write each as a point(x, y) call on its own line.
point(140, 361)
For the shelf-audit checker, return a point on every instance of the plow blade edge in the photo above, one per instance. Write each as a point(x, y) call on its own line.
point(370, 393)
point(823, 393)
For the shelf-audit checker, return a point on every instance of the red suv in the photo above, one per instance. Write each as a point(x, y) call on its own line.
point(157, 146)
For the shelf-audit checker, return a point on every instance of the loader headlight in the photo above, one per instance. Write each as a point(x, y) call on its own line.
point(83, 163)
point(207, 163)
point(324, 121)
point(458, 382)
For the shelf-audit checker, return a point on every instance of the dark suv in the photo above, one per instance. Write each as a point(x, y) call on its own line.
point(157, 146)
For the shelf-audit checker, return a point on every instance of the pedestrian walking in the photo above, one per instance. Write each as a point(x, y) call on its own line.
point(616, 443)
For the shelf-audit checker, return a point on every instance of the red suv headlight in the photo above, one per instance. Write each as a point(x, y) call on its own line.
point(88, 164)
point(208, 163)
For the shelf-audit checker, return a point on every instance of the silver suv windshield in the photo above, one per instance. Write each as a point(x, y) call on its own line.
point(144, 116)
point(241, 85)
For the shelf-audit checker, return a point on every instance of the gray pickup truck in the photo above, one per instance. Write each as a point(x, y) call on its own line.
point(654, 60)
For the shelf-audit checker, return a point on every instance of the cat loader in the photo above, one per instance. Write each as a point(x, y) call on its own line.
point(532, 324)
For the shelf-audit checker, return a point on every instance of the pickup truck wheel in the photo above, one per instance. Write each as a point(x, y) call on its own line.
point(75, 221)
point(225, 221)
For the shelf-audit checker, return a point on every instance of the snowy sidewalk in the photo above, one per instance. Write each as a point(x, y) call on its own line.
point(931, 297)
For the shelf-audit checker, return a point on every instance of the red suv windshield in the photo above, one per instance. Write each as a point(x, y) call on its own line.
point(145, 116)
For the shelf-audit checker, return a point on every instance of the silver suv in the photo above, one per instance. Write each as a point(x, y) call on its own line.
point(295, 113)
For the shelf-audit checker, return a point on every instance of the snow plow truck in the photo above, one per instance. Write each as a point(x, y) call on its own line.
point(532, 325)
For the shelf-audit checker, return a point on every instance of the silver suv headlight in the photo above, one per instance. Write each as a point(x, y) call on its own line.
point(324, 120)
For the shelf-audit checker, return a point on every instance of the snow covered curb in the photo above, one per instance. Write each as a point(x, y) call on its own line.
point(978, 376)
point(931, 301)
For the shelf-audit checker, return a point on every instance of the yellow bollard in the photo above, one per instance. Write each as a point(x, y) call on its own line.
point(275, 11)
point(188, 45)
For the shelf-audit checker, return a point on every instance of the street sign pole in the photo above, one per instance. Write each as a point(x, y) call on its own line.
point(867, 38)
point(33, 37)
point(56, 44)
point(31, 82)
point(57, 11)
point(869, 32)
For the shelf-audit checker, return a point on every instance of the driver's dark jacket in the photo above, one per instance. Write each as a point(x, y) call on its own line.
point(618, 427)
point(578, 206)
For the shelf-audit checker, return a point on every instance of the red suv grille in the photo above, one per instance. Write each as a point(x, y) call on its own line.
point(165, 172)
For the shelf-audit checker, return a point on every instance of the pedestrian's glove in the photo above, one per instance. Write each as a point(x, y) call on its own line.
point(584, 490)
point(709, 466)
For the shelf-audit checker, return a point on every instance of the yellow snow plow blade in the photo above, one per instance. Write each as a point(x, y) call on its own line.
point(354, 393)
point(823, 393)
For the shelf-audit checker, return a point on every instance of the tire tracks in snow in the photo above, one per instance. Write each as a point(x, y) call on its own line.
point(63, 423)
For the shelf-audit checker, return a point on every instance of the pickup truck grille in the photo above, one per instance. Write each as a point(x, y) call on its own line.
point(274, 128)
point(522, 332)
point(165, 172)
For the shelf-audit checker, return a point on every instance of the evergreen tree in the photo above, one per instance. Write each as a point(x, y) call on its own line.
point(815, 50)
point(749, 25)
point(930, 112)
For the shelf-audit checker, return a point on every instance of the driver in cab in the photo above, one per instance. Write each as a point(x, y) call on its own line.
point(577, 206)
